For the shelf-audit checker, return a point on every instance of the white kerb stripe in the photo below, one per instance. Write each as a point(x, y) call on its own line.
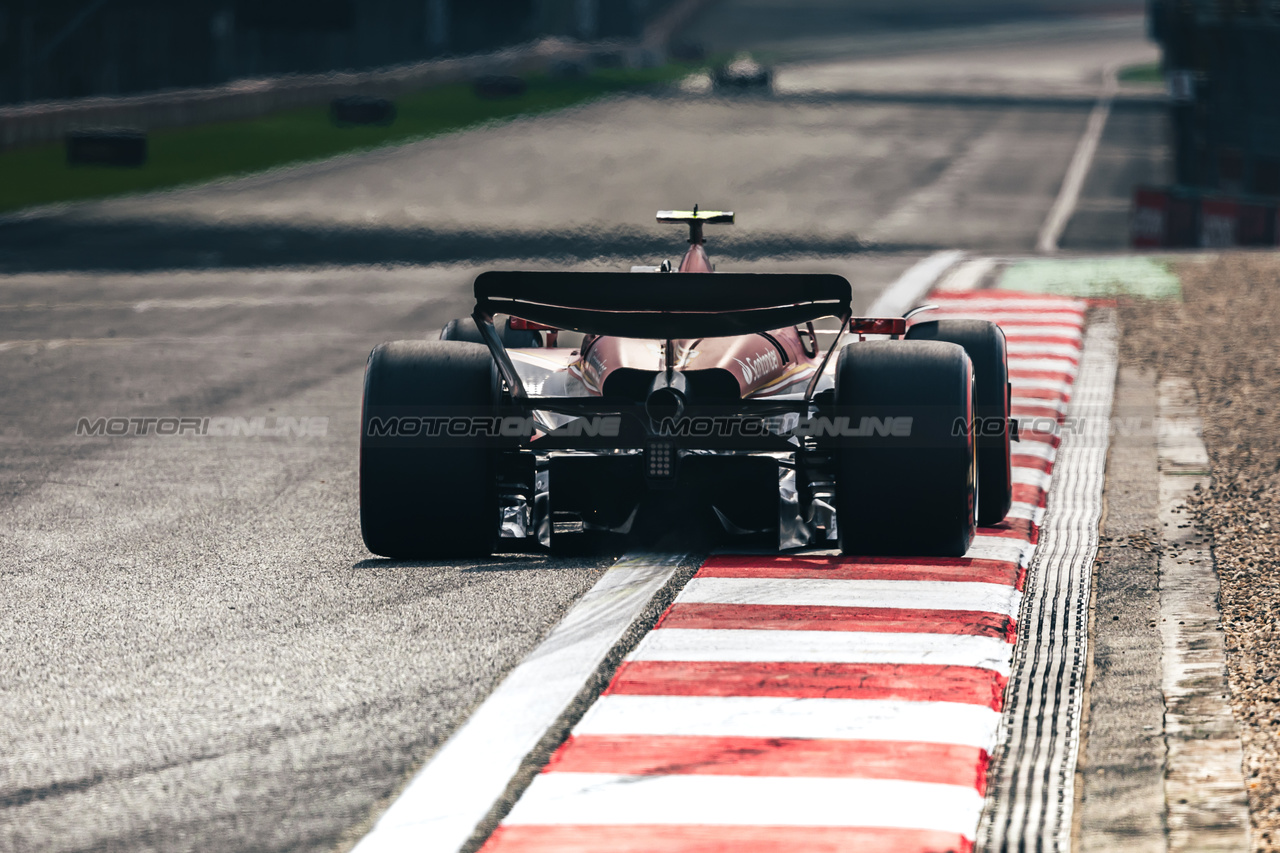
point(823, 592)
point(1030, 512)
point(1038, 449)
point(1030, 349)
point(781, 717)
point(749, 645)
point(604, 799)
point(1031, 477)
point(1026, 384)
point(1058, 405)
point(1064, 365)
point(1063, 318)
point(980, 305)
point(1000, 548)
point(1015, 330)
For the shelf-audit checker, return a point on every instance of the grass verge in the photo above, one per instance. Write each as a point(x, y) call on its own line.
point(1147, 73)
point(187, 155)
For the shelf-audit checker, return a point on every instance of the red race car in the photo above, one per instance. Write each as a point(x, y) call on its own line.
point(605, 394)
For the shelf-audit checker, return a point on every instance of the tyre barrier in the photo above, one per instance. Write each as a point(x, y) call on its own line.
point(106, 147)
point(1177, 217)
point(361, 110)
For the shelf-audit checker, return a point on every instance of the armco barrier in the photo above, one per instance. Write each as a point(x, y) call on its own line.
point(32, 124)
point(1174, 218)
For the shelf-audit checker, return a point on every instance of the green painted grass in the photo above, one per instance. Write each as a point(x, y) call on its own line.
point(1098, 278)
point(187, 155)
point(1148, 73)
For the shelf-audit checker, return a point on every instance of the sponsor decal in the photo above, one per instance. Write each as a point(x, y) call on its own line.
point(760, 366)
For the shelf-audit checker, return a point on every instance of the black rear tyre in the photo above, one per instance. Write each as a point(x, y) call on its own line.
point(424, 498)
point(906, 495)
point(985, 344)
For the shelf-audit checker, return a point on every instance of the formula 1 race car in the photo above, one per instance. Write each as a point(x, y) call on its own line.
point(604, 394)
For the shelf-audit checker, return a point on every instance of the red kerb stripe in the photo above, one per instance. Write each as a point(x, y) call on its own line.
point(1035, 463)
point(1028, 494)
point(1066, 320)
point(679, 755)
point(1041, 393)
point(969, 685)
point(862, 568)
point(1020, 337)
point(1058, 375)
point(649, 838)
point(887, 620)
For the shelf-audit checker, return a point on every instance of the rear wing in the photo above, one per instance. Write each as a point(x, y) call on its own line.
point(690, 305)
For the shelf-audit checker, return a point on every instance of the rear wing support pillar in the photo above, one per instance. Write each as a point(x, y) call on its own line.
point(506, 368)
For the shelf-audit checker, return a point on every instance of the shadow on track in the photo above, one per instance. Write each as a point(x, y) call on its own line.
point(69, 241)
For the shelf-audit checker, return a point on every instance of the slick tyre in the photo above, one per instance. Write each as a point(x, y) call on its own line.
point(905, 488)
point(464, 329)
point(984, 343)
point(423, 496)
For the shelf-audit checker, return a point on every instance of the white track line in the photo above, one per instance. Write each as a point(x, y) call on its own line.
point(899, 297)
point(750, 645)
point(820, 592)
point(442, 805)
point(967, 276)
point(608, 799)
point(1069, 195)
point(787, 717)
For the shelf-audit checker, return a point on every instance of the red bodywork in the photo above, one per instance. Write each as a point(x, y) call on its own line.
point(766, 363)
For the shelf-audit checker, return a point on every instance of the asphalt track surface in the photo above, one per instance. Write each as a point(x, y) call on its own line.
point(198, 651)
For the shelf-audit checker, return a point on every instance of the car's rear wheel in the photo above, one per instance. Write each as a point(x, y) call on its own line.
point(905, 487)
point(425, 496)
point(985, 344)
